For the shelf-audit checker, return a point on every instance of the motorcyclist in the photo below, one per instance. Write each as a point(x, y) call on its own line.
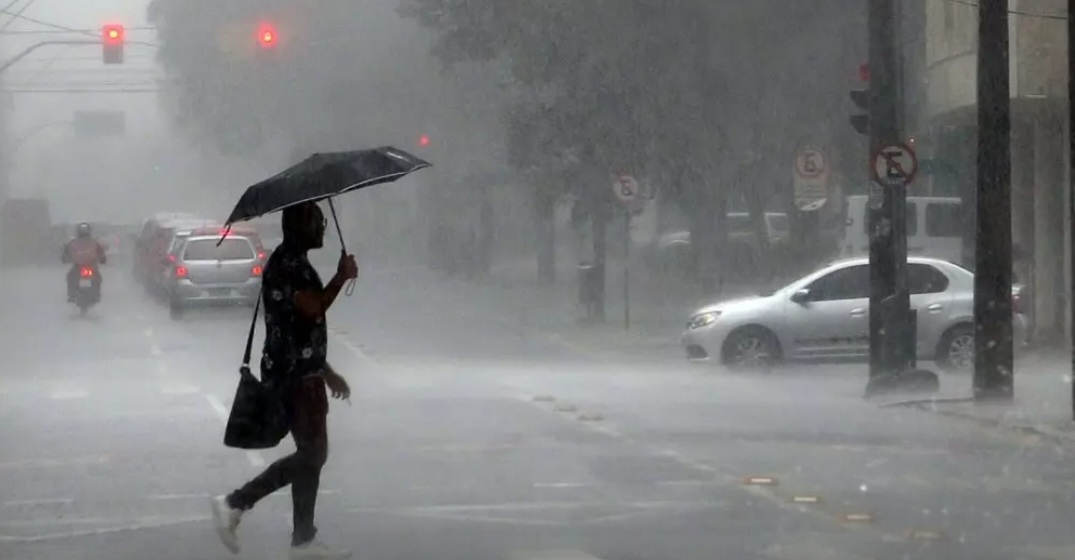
point(83, 251)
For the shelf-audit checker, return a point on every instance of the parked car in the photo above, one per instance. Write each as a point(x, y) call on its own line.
point(208, 270)
point(824, 316)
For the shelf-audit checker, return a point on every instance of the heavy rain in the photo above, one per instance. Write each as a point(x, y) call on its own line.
point(573, 279)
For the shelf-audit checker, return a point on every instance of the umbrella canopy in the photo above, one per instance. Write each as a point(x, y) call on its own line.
point(324, 175)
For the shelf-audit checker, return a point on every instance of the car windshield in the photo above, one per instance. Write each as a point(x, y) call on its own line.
point(231, 249)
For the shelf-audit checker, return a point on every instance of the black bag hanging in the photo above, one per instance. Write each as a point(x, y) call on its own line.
point(258, 418)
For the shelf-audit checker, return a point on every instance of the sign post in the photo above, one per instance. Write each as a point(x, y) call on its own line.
point(811, 179)
point(627, 190)
point(892, 168)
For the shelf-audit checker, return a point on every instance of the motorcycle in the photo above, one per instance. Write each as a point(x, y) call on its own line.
point(87, 292)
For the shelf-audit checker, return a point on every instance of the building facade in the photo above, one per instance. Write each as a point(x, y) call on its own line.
point(944, 118)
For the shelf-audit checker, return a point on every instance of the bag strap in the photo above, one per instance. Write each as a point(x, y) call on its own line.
point(250, 336)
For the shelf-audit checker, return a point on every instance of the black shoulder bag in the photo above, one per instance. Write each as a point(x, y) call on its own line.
point(258, 418)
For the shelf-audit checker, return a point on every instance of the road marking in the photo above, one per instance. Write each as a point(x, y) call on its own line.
point(43, 463)
point(144, 523)
point(69, 394)
point(180, 389)
point(807, 547)
point(559, 484)
point(40, 502)
point(254, 457)
point(218, 407)
point(177, 496)
point(565, 554)
point(684, 482)
point(532, 506)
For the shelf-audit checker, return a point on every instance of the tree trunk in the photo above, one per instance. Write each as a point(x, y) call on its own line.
point(545, 209)
point(760, 259)
point(599, 211)
point(485, 235)
point(709, 236)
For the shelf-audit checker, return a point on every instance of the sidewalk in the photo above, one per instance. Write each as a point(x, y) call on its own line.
point(1042, 404)
point(659, 308)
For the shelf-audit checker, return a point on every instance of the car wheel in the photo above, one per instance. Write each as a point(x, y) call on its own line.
point(956, 349)
point(751, 349)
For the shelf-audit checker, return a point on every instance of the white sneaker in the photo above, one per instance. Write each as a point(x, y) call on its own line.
point(225, 521)
point(316, 550)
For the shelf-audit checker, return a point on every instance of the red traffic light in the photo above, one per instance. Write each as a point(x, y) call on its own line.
point(423, 140)
point(112, 34)
point(267, 36)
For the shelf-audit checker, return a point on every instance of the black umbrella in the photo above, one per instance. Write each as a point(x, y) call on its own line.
point(321, 176)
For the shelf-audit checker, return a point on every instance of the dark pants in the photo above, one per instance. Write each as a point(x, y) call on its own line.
point(308, 415)
point(73, 275)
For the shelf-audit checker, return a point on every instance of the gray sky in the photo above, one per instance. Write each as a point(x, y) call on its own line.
point(105, 177)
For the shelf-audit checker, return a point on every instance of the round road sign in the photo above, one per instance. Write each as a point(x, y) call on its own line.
point(626, 187)
point(894, 166)
point(810, 163)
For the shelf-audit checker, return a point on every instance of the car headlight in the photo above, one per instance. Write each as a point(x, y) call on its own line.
point(703, 319)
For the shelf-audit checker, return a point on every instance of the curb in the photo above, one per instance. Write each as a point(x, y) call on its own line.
point(1042, 430)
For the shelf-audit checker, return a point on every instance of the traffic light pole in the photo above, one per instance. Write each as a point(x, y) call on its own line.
point(1071, 180)
point(886, 219)
point(993, 360)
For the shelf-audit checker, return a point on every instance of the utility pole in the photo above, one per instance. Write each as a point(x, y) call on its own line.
point(886, 218)
point(993, 249)
point(1071, 179)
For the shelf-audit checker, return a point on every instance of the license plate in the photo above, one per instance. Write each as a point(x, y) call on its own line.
point(85, 283)
point(218, 292)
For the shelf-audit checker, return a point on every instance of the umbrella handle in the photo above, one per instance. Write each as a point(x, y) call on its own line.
point(343, 247)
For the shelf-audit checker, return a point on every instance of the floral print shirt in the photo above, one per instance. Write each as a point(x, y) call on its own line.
point(294, 345)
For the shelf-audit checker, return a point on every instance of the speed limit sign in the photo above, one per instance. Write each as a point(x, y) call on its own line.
point(626, 187)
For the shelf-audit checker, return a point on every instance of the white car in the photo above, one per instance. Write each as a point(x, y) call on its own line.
point(825, 317)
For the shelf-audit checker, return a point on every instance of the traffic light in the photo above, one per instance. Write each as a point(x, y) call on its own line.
point(113, 35)
point(861, 98)
point(267, 36)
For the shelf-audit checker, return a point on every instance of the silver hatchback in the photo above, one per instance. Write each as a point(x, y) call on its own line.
point(205, 272)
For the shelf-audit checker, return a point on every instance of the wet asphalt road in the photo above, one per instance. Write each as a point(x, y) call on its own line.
point(470, 437)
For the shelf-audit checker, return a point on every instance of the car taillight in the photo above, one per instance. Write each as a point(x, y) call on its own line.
point(86, 272)
point(171, 258)
point(181, 272)
point(256, 271)
point(261, 255)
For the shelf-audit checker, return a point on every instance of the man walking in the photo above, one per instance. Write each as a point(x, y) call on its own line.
point(294, 359)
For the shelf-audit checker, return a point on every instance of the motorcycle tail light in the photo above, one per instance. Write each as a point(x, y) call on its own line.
point(86, 272)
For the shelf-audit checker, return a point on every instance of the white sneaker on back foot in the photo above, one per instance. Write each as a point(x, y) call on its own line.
point(225, 521)
point(316, 550)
